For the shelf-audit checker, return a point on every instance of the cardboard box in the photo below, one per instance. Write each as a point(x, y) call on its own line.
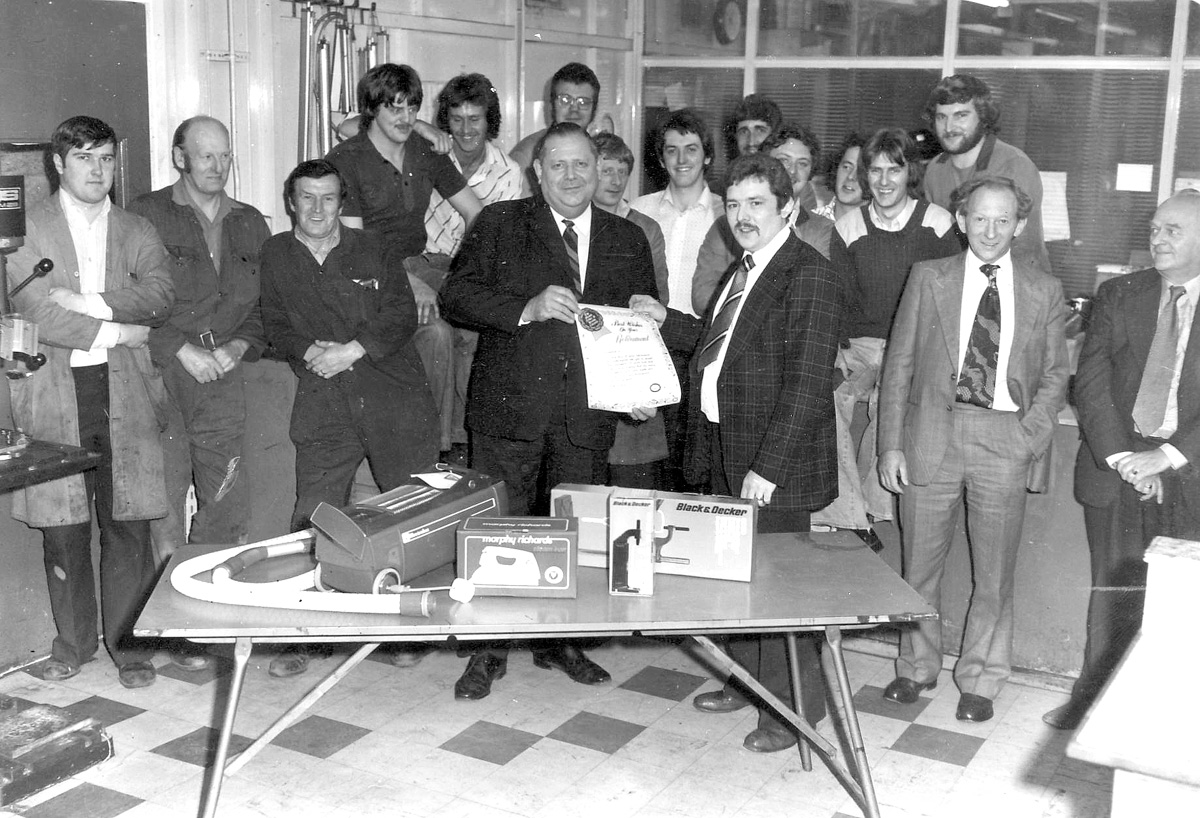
point(695, 535)
point(631, 543)
point(519, 556)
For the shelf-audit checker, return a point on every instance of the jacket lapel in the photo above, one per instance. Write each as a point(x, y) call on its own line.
point(1141, 312)
point(767, 292)
point(60, 234)
point(547, 233)
point(947, 295)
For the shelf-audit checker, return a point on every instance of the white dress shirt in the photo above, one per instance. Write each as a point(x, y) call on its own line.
point(708, 378)
point(683, 232)
point(583, 229)
point(90, 237)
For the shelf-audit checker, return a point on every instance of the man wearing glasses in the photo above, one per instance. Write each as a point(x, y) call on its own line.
point(574, 95)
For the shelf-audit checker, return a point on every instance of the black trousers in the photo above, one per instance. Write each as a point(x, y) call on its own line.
point(764, 656)
point(126, 555)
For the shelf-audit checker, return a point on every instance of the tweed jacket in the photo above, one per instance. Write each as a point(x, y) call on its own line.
point(920, 369)
point(775, 389)
point(138, 288)
point(1114, 355)
point(511, 254)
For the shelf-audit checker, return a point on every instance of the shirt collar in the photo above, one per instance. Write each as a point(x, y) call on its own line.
point(896, 224)
point(763, 256)
point(972, 263)
point(180, 196)
point(1192, 288)
point(73, 208)
point(583, 222)
point(703, 201)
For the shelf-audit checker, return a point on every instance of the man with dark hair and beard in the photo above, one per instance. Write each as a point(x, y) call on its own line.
point(966, 118)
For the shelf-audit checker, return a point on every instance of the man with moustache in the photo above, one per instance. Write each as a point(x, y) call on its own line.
point(98, 389)
point(998, 326)
point(216, 324)
point(468, 107)
point(761, 420)
point(966, 120)
point(518, 281)
point(390, 173)
point(874, 247)
point(1138, 400)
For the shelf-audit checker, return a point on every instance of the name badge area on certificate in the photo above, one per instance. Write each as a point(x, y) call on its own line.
point(625, 360)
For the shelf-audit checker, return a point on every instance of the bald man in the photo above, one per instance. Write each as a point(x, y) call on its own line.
point(1137, 390)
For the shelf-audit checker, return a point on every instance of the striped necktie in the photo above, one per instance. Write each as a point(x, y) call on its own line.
point(571, 239)
point(1150, 407)
point(977, 381)
point(723, 321)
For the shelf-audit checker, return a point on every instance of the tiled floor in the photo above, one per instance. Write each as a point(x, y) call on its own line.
point(392, 742)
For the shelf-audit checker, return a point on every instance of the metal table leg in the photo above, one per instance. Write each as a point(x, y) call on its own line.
point(794, 668)
point(216, 775)
point(833, 635)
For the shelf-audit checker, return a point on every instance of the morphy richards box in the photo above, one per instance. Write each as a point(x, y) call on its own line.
point(519, 556)
point(695, 535)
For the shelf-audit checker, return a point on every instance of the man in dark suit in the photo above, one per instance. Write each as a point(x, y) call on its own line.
point(518, 281)
point(973, 381)
point(1137, 391)
point(761, 422)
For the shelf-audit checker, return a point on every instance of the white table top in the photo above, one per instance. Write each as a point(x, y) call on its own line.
point(801, 581)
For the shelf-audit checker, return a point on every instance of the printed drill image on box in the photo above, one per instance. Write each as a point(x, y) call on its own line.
point(631, 547)
point(695, 535)
point(519, 556)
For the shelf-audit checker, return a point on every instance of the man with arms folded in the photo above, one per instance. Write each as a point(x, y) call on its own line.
point(110, 283)
point(998, 327)
point(523, 271)
point(1138, 398)
point(966, 120)
point(337, 305)
point(761, 407)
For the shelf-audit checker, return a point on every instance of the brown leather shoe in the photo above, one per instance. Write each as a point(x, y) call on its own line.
point(973, 708)
point(572, 661)
point(903, 690)
point(136, 674)
point(768, 740)
point(482, 670)
point(718, 701)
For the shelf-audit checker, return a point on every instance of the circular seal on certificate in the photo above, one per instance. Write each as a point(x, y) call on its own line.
point(592, 320)
point(656, 387)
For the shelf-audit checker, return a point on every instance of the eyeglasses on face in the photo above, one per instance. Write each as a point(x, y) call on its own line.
point(568, 101)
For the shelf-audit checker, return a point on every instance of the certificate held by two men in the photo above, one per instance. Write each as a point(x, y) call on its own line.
point(626, 362)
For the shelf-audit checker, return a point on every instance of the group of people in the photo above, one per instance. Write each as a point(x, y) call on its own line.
point(426, 295)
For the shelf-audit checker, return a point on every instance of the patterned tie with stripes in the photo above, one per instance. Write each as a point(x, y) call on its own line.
point(724, 319)
point(571, 239)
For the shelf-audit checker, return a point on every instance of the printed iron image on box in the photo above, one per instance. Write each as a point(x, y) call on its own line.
point(694, 535)
point(519, 556)
point(631, 544)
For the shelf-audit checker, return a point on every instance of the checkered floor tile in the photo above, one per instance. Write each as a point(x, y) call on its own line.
point(393, 741)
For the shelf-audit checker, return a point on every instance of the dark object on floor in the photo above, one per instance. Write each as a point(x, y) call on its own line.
point(973, 708)
point(766, 740)
point(476, 681)
point(1067, 717)
point(42, 745)
point(718, 701)
point(133, 675)
point(572, 661)
point(56, 670)
point(906, 691)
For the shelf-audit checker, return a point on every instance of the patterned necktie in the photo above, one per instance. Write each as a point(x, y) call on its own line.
point(1151, 405)
point(724, 319)
point(571, 239)
point(977, 380)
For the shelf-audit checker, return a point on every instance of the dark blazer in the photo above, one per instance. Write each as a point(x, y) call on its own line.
point(1114, 355)
point(511, 254)
point(919, 371)
point(775, 390)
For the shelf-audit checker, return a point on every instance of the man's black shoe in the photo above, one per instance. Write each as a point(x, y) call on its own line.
point(718, 701)
point(572, 661)
point(1066, 717)
point(973, 708)
point(482, 670)
point(906, 691)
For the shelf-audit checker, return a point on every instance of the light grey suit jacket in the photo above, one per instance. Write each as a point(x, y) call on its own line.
point(916, 397)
